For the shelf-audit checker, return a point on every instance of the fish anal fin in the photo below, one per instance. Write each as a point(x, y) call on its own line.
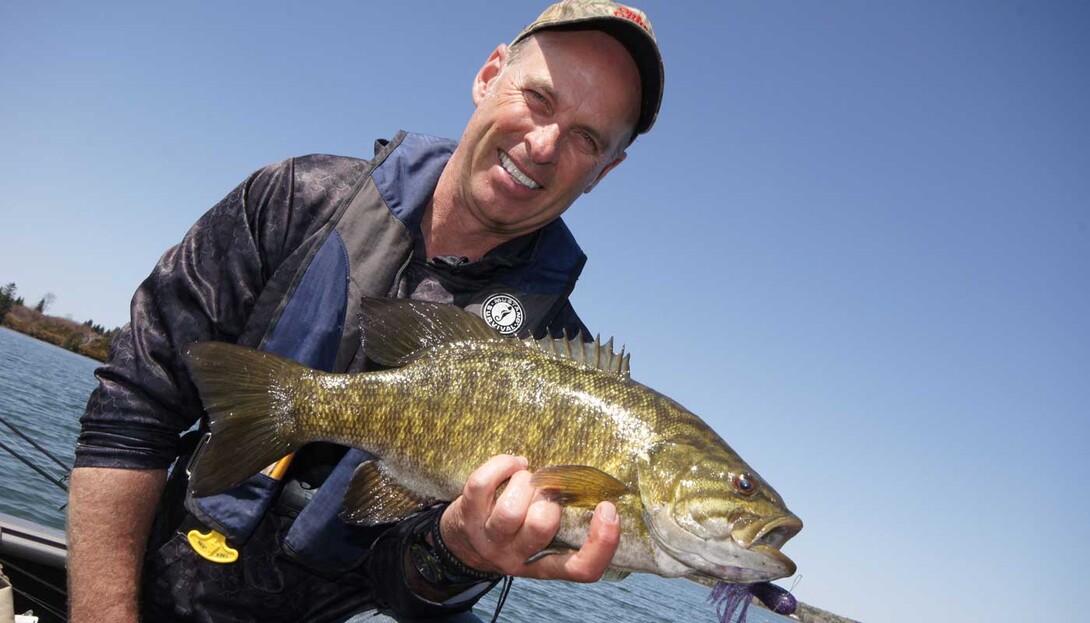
point(373, 497)
point(578, 485)
point(614, 575)
point(397, 331)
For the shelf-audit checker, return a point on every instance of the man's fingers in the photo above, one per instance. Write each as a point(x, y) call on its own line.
point(592, 559)
point(540, 527)
point(590, 562)
point(479, 493)
point(493, 533)
point(509, 512)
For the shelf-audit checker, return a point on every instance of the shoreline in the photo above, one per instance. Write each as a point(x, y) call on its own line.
point(810, 614)
point(87, 339)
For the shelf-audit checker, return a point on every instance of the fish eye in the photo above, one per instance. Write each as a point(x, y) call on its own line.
point(745, 483)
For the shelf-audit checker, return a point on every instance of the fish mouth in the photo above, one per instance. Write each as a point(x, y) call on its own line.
point(751, 552)
point(763, 539)
point(788, 566)
point(752, 533)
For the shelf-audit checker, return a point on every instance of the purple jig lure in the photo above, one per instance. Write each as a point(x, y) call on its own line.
point(735, 598)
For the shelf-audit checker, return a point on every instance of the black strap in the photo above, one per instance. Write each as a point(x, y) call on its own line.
point(507, 582)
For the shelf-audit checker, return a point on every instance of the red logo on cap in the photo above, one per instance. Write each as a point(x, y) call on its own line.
point(630, 15)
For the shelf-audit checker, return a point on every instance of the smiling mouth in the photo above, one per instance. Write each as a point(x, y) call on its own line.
point(515, 172)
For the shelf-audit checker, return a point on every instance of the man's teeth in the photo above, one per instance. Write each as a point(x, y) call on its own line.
point(519, 176)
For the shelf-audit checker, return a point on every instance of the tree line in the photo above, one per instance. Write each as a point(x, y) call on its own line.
point(88, 338)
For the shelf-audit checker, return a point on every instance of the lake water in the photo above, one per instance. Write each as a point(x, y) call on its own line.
point(43, 390)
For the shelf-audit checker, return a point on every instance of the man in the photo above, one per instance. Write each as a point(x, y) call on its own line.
point(281, 264)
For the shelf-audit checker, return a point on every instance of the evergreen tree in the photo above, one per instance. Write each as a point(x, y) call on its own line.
point(45, 303)
point(7, 300)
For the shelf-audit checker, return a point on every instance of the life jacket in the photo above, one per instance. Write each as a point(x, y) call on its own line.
point(310, 310)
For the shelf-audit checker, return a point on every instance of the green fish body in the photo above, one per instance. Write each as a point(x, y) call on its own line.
point(458, 393)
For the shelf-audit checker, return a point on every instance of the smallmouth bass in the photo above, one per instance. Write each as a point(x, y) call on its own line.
point(458, 393)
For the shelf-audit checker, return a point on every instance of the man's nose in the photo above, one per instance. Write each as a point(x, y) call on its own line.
point(544, 143)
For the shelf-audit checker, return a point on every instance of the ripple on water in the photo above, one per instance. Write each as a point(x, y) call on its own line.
point(43, 390)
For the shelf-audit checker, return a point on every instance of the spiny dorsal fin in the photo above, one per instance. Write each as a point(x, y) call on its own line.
point(591, 354)
point(578, 485)
point(397, 331)
point(373, 497)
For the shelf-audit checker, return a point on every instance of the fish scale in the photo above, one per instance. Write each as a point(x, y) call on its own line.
point(414, 413)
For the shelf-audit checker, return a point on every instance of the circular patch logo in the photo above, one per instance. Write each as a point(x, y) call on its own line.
point(503, 313)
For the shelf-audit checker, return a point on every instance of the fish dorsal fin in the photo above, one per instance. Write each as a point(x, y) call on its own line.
point(373, 497)
point(397, 331)
point(594, 354)
point(578, 485)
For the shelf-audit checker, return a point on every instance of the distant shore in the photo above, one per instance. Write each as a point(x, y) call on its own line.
point(804, 612)
point(809, 614)
point(85, 339)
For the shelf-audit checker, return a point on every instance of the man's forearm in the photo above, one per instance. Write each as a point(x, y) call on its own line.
point(110, 512)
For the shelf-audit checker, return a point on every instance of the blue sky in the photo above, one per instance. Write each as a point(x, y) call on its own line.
point(857, 242)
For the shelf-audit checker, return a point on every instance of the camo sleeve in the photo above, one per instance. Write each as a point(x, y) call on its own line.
point(204, 288)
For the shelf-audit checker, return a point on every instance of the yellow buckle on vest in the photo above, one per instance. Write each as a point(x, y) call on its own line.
point(212, 546)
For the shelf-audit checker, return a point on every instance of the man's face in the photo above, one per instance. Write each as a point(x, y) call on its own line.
point(548, 126)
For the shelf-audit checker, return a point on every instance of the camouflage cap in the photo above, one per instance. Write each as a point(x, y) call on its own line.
point(628, 25)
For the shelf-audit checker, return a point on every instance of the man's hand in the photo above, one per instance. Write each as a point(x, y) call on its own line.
point(499, 534)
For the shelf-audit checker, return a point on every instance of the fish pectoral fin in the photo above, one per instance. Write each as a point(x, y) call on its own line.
point(373, 497)
point(578, 485)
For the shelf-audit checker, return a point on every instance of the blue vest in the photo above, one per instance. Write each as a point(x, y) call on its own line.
point(362, 251)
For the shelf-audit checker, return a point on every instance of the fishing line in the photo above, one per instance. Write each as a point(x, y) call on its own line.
point(66, 468)
point(60, 591)
point(34, 467)
point(57, 613)
point(41, 604)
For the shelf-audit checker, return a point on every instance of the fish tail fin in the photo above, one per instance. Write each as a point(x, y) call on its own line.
point(249, 397)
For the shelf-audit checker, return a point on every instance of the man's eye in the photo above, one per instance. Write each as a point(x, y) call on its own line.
point(588, 140)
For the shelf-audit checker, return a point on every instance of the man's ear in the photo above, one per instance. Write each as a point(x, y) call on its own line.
point(489, 71)
point(607, 169)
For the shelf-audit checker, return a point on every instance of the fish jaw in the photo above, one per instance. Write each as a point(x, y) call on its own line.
point(774, 532)
point(727, 559)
